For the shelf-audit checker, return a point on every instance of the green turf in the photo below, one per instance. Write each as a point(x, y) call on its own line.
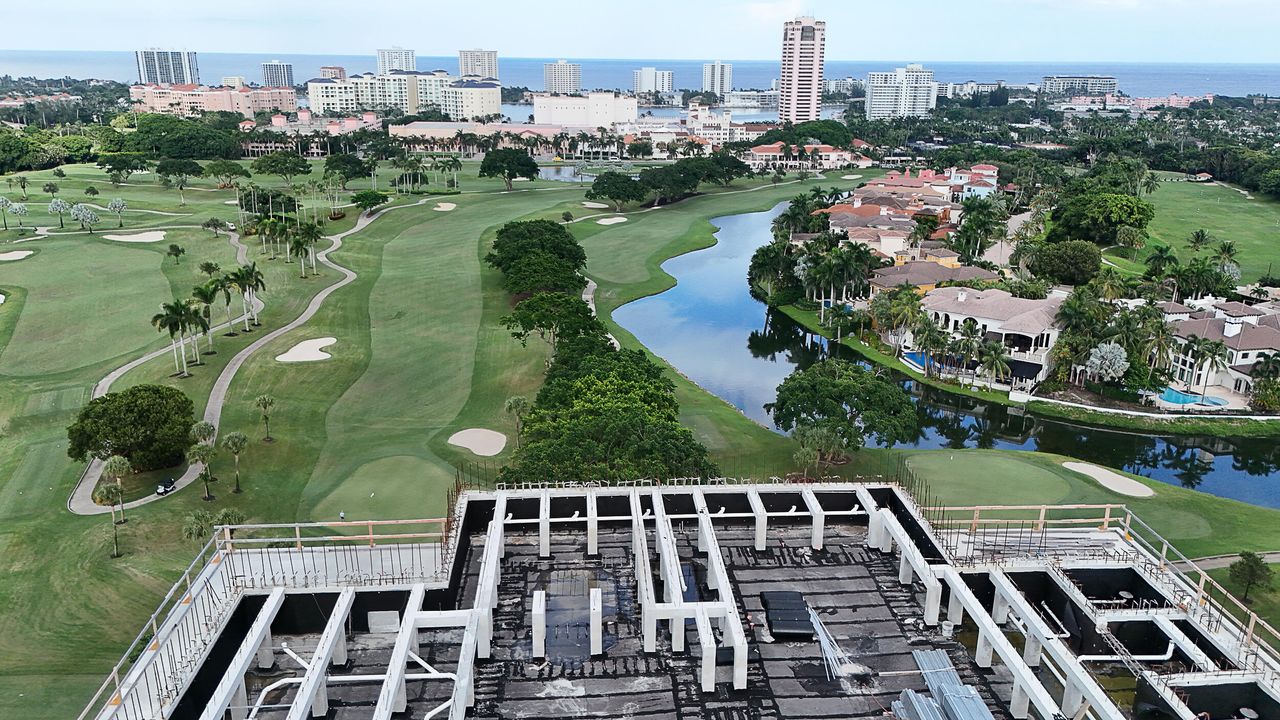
point(1252, 224)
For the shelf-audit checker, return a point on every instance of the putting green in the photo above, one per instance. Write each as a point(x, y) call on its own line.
point(961, 478)
point(396, 487)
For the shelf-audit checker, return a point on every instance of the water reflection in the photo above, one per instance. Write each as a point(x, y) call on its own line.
point(711, 329)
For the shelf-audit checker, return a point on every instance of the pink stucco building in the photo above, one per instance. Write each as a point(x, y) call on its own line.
point(195, 99)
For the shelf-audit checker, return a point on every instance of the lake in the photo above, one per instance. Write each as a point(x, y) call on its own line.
point(710, 329)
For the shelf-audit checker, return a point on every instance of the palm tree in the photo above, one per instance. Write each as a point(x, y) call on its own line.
point(1111, 284)
point(203, 455)
point(254, 282)
point(1161, 261)
point(176, 251)
point(1213, 355)
point(59, 207)
point(310, 233)
point(1131, 239)
point(1199, 240)
point(4, 211)
point(993, 359)
point(1150, 183)
point(203, 431)
point(111, 495)
point(1225, 252)
point(904, 309)
point(235, 443)
point(206, 295)
point(171, 319)
point(22, 185)
point(968, 344)
point(194, 323)
point(116, 467)
point(265, 403)
point(517, 406)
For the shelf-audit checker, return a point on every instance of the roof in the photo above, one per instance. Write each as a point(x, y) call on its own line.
point(847, 209)
point(1173, 308)
point(923, 272)
point(1238, 309)
point(1250, 337)
point(1024, 316)
point(984, 167)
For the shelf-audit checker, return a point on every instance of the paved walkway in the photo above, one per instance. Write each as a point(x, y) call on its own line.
point(81, 500)
point(1215, 562)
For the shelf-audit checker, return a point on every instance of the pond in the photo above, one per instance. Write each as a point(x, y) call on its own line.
point(710, 329)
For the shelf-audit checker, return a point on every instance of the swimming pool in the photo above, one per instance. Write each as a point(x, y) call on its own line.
point(1177, 397)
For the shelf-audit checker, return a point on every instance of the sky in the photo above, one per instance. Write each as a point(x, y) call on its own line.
point(940, 30)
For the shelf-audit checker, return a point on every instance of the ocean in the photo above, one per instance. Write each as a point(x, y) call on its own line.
point(1137, 79)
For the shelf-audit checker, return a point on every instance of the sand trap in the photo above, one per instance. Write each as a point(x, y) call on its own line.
point(850, 177)
point(143, 237)
point(1111, 480)
point(230, 202)
point(16, 254)
point(1, 299)
point(595, 206)
point(308, 351)
point(479, 441)
point(611, 221)
point(444, 207)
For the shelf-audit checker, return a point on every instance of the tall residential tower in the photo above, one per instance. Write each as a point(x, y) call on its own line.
point(904, 92)
point(800, 88)
point(176, 67)
point(483, 63)
point(651, 80)
point(562, 77)
point(396, 59)
point(717, 77)
point(277, 74)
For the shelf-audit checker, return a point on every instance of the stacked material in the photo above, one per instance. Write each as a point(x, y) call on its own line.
point(951, 697)
point(787, 613)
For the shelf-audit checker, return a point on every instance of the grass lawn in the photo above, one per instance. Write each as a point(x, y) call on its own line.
point(1254, 225)
point(1265, 601)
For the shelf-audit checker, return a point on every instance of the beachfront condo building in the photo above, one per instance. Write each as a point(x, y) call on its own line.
point(277, 74)
point(481, 63)
point(178, 67)
point(396, 58)
point(651, 80)
point(717, 77)
point(903, 92)
point(800, 87)
point(562, 77)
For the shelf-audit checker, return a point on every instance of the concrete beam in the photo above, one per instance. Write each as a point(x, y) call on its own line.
point(593, 525)
point(669, 566)
point(539, 623)
point(707, 641)
point(913, 561)
point(544, 525)
point(718, 577)
point(232, 683)
point(1080, 685)
point(1024, 676)
point(761, 518)
point(597, 621)
point(818, 517)
point(1185, 644)
point(312, 696)
point(393, 697)
point(644, 575)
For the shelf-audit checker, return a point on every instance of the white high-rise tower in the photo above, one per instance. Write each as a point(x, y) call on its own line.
point(396, 59)
point(800, 88)
point(717, 77)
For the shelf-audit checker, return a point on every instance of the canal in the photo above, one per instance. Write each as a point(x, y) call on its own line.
point(710, 328)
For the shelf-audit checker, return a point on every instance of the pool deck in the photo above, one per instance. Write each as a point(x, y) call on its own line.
point(1235, 401)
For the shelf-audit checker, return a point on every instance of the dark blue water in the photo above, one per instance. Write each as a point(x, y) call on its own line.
point(710, 328)
point(1139, 79)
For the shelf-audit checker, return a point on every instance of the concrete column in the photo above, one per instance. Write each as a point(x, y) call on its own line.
point(544, 526)
point(339, 651)
point(819, 519)
point(983, 654)
point(1031, 653)
point(593, 525)
point(539, 623)
point(708, 643)
point(650, 623)
point(932, 601)
point(955, 610)
point(740, 665)
point(239, 706)
point(904, 568)
point(886, 537)
point(320, 702)
point(484, 633)
point(597, 622)
point(677, 634)
point(875, 528)
point(1072, 698)
point(702, 538)
point(761, 519)
point(1018, 705)
point(265, 657)
point(1000, 610)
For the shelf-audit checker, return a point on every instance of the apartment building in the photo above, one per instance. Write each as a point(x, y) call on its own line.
point(481, 63)
point(1091, 84)
point(191, 99)
point(562, 77)
point(803, 54)
point(176, 67)
point(396, 58)
point(593, 110)
point(717, 77)
point(651, 80)
point(333, 72)
point(409, 92)
point(471, 99)
point(842, 86)
point(277, 74)
point(903, 92)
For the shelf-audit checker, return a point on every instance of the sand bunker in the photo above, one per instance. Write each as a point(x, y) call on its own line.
point(850, 177)
point(1, 299)
point(143, 237)
point(595, 205)
point(444, 207)
point(1111, 480)
point(479, 441)
point(16, 254)
point(230, 202)
point(308, 351)
point(611, 221)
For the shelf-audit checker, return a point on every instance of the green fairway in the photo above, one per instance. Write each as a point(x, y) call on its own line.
point(1252, 224)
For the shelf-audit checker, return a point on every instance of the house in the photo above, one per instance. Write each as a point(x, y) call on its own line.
point(1249, 332)
point(925, 275)
point(1027, 328)
point(795, 157)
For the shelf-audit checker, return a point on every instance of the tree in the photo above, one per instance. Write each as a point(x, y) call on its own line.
point(540, 271)
point(22, 182)
point(235, 443)
point(50, 188)
point(149, 425)
point(265, 403)
point(1161, 261)
point(226, 172)
point(345, 167)
point(18, 210)
point(553, 317)
point(119, 166)
point(111, 495)
point(993, 359)
point(367, 200)
point(178, 172)
point(517, 406)
point(1073, 262)
point(285, 165)
point(640, 148)
point(115, 468)
point(5, 204)
point(118, 206)
point(202, 454)
point(618, 188)
point(1131, 239)
point(59, 207)
point(1249, 571)
point(176, 252)
point(91, 192)
point(1199, 240)
point(854, 403)
point(198, 526)
point(508, 164)
point(1108, 362)
point(214, 224)
point(517, 240)
point(805, 458)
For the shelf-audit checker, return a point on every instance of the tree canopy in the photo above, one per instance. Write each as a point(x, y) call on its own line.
point(854, 403)
point(283, 164)
point(617, 187)
point(147, 424)
point(508, 164)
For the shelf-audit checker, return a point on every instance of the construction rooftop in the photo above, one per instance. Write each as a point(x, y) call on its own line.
point(718, 600)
